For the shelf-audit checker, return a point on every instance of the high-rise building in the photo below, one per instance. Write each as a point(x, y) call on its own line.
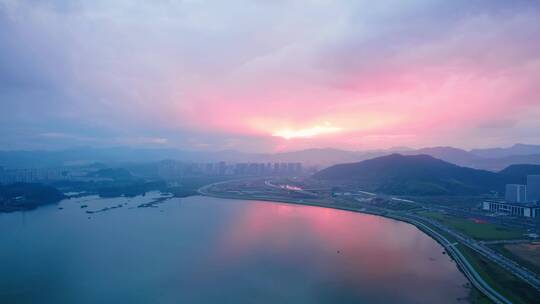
point(516, 193)
point(533, 188)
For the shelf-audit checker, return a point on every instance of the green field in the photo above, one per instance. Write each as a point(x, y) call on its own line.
point(476, 230)
point(532, 262)
point(513, 288)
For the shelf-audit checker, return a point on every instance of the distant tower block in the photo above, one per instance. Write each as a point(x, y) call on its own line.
point(533, 188)
point(516, 193)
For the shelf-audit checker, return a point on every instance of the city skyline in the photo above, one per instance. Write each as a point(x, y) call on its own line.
point(268, 77)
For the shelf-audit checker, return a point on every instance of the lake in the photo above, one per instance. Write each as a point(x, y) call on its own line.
point(210, 250)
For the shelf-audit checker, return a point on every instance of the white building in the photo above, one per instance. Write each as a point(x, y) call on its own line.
point(523, 210)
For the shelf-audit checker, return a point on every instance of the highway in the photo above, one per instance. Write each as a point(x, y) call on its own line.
point(422, 223)
point(478, 246)
point(461, 260)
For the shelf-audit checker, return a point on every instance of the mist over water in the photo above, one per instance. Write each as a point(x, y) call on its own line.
point(208, 250)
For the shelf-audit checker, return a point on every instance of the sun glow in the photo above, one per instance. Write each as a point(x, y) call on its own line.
point(307, 132)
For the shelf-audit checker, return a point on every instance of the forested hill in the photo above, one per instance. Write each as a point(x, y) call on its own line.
point(414, 175)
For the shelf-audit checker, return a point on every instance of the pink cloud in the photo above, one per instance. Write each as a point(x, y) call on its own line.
point(378, 75)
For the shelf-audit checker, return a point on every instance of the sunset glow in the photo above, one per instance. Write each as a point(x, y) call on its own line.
point(254, 75)
point(306, 133)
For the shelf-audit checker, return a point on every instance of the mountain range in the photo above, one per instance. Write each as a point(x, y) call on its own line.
point(422, 175)
point(494, 159)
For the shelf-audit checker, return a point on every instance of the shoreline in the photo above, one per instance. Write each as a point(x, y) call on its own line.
point(449, 247)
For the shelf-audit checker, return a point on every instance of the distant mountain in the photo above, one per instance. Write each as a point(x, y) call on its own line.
point(486, 159)
point(80, 156)
point(517, 174)
point(312, 156)
point(87, 156)
point(449, 154)
point(413, 175)
point(497, 164)
point(469, 159)
point(517, 149)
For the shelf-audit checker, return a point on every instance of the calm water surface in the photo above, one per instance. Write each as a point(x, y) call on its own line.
point(209, 250)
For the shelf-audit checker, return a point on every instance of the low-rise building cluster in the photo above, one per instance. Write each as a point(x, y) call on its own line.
point(170, 169)
point(520, 200)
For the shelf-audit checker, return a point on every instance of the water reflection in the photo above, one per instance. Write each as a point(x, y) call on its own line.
point(205, 250)
point(351, 251)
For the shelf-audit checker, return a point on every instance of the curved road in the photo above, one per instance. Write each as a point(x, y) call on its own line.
point(461, 260)
point(509, 265)
point(472, 275)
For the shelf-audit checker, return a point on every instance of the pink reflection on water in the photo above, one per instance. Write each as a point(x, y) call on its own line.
point(351, 244)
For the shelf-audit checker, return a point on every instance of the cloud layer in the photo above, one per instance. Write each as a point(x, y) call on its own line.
point(234, 74)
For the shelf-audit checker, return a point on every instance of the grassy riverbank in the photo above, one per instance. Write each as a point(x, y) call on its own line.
point(513, 288)
point(476, 229)
point(526, 254)
point(499, 279)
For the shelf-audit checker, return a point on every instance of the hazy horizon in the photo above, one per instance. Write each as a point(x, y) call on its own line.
point(323, 148)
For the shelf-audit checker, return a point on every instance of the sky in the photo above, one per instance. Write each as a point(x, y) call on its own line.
point(269, 76)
